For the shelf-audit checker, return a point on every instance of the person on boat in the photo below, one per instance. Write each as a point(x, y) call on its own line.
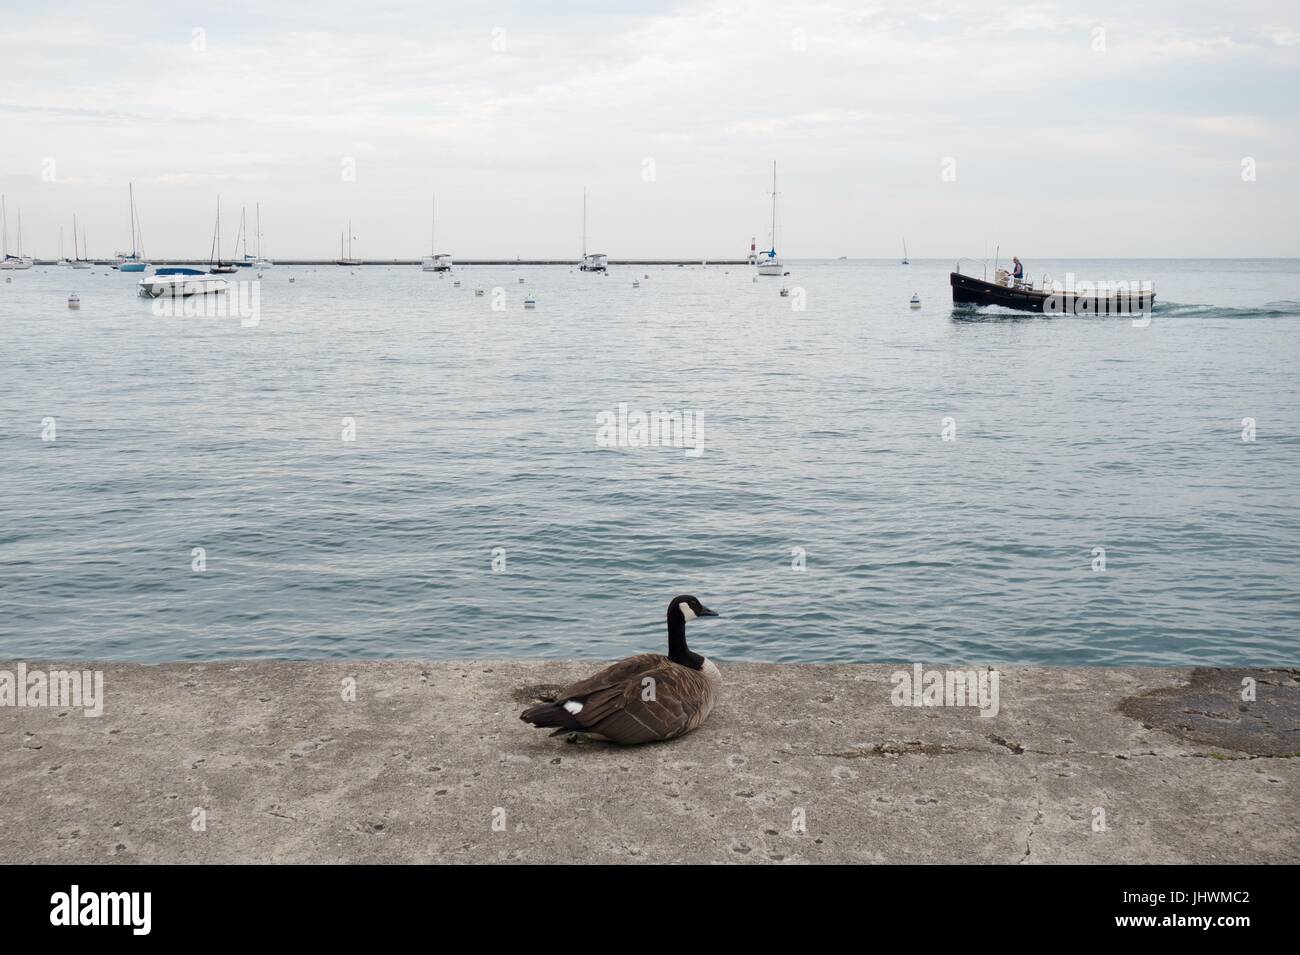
point(1018, 272)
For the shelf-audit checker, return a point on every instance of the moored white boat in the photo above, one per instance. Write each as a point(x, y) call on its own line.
point(435, 261)
point(346, 259)
point(181, 283)
point(769, 263)
point(7, 261)
point(593, 261)
point(218, 264)
point(261, 261)
point(77, 262)
point(133, 261)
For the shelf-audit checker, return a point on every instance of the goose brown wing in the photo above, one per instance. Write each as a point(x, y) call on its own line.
point(616, 674)
point(620, 711)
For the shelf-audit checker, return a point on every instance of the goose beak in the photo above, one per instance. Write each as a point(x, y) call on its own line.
point(706, 612)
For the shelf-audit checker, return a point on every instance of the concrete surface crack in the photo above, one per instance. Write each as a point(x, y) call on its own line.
point(1014, 747)
point(1029, 836)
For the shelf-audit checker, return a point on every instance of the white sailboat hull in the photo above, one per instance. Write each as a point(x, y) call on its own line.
point(771, 267)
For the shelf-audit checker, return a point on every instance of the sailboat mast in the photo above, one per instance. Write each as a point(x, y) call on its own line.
point(258, 208)
point(76, 253)
point(433, 226)
point(773, 205)
point(4, 229)
point(130, 190)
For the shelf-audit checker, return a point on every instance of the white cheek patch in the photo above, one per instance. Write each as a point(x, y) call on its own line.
point(686, 610)
point(574, 707)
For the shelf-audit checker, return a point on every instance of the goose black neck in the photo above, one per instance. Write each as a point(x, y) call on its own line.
point(677, 649)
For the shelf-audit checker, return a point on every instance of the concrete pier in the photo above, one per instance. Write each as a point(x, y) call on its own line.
point(411, 762)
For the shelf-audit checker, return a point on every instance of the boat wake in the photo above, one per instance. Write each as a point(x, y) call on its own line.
point(1283, 309)
point(1267, 310)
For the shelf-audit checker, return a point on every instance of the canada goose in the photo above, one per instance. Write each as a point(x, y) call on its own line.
point(643, 698)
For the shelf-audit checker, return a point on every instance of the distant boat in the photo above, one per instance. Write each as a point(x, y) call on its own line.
point(260, 262)
point(245, 261)
point(219, 266)
point(594, 261)
point(180, 283)
point(435, 261)
point(77, 261)
point(7, 261)
point(769, 263)
point(915, 300)
point(905, 262)
point(134, 260)
point(346, 259)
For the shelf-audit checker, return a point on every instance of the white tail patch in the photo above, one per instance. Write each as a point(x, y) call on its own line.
point(574, 707)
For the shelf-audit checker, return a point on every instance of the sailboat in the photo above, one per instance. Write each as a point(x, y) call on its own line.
point(346, 259)
point(260, 262)
point(134, 261)
point(245, 261)
point(77, 261)
point(218, 266)
point(7, 261)
point(435, 261)
point(768, 263)
point(905, 262)
point(595, 261)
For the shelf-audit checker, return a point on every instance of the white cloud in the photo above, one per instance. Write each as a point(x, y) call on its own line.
point(859, 104)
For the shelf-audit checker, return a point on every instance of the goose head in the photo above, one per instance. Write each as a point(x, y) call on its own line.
point(681, 609)
point(687, 607)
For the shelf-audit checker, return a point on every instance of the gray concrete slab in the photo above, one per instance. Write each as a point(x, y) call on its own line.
point(428, 756)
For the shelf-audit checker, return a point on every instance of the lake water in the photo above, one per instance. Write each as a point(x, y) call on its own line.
point(820, 430)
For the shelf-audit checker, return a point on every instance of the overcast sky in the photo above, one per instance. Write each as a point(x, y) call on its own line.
point(1090, 128)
